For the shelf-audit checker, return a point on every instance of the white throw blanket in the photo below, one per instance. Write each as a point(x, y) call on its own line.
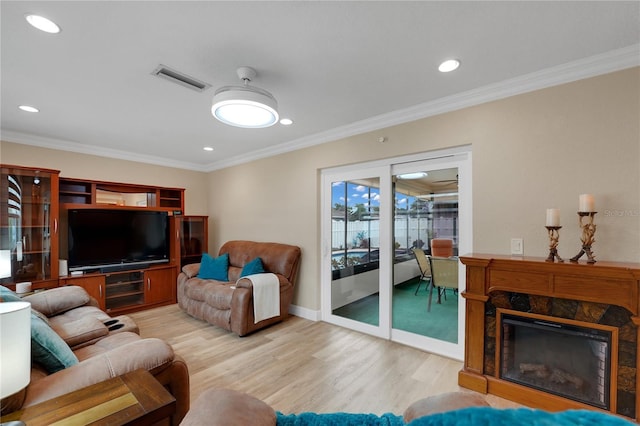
point(266, 295)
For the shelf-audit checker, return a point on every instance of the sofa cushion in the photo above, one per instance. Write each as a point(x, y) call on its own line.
point(253, 267)
point(106, 344)
point(214, 268)
point(81, 331)
point(215, 294)
point(48, 349)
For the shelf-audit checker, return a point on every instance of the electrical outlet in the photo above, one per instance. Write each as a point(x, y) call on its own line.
point(517, 246)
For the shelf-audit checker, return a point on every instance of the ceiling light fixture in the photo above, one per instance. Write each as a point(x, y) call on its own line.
point(27, 108)
point(42, 23)
point(245, 106)
point(208, 148)
point(416, 175)
point(449, 65)
point(286, 122)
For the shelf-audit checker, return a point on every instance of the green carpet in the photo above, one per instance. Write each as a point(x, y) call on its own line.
point(410, 312)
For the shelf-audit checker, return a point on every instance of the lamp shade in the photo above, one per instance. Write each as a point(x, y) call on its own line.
point(15, 347)
point(245, 106)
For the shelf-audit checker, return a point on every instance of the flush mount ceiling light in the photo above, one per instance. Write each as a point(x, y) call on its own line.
point(42, 23)
point(416, 175)
point(449, 65)
point(245, 106)
point(28, 108)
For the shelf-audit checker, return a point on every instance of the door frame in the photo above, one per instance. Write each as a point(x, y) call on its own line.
point(459, 157)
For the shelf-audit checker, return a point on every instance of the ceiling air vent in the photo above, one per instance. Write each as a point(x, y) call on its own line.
point(182, 79)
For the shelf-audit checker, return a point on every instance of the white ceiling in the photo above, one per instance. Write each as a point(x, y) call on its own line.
point(336, 68)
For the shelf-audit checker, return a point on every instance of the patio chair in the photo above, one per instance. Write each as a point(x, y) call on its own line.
point(425, 269)
point(442, 247)
point(444, 275)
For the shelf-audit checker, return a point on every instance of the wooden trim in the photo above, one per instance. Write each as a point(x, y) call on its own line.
point(607, 283)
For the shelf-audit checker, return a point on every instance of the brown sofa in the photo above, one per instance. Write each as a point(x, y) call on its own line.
point(105, 347)
point(229, 304)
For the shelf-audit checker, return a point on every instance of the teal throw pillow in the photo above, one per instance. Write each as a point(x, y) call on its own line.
point(214, 268)
point(9, 296)
point(253, 267)
point(48, 349)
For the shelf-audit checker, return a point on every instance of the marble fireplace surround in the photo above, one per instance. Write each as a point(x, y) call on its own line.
point(604, 293)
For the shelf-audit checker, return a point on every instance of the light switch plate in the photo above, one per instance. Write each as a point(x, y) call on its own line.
point(517, 246)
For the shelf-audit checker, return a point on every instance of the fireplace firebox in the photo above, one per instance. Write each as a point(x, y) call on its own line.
point(564, 358)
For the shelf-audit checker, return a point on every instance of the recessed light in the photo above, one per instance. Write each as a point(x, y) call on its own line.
point(449, 65)
point(286, 122)
point(208, 148)
point(43, 24)
point(28, 108)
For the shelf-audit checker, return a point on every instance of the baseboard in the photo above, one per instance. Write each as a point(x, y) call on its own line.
point(305, 313)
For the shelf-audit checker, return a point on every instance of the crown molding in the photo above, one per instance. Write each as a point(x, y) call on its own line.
point(62, 145)
point(608, 62)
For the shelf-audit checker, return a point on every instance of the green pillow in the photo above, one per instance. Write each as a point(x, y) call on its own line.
point(9, 296)
point(253, 267)
point(48, 349)
point(214, 268)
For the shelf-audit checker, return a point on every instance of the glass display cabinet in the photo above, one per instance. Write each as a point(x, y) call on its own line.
point(193, 235)
point(28, 226)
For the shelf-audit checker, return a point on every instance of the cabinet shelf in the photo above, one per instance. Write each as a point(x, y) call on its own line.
point(123, 294)
point(30, 196)
point(89, 192)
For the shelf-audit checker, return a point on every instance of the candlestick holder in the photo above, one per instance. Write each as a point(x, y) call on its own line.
point(588, 231)
point(554, 237)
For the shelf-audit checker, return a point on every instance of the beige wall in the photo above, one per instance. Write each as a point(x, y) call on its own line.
point(530, 152)
point(82, 166)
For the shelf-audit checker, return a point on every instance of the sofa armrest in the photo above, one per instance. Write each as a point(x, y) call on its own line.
point(191, 270)
point(58, 300)
point(151, 354)
point(246, 283)
point(242, 320)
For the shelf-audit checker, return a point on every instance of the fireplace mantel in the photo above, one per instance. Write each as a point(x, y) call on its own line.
point(596, 286)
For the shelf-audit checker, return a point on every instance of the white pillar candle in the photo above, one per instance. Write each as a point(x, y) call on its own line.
point(586, 203)
point(553, 217)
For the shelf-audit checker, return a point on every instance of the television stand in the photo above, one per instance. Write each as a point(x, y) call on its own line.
point(136, 288)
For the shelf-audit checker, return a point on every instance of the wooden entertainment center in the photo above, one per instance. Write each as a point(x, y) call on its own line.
point(33, 236)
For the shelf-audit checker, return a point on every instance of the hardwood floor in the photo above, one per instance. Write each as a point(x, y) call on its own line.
point(301, 365)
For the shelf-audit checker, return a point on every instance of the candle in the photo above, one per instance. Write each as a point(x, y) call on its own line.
point(586, 203)
point(553, 217)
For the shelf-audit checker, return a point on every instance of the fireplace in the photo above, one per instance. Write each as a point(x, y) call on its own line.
point(553, 336)
point(567, 359)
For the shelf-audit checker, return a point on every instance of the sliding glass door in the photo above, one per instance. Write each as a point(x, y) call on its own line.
point(353, 214)
point(376, 221)
point(427, 308)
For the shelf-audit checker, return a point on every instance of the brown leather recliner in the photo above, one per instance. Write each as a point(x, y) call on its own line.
point(102, 353)
point(229, 304)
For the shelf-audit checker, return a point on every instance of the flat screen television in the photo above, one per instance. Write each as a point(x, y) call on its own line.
point(99, 239)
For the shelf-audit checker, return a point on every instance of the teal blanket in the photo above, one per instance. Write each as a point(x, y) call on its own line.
point(474, 416)
point(338, 419)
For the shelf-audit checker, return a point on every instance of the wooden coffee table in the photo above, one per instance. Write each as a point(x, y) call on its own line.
point(135, 397)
